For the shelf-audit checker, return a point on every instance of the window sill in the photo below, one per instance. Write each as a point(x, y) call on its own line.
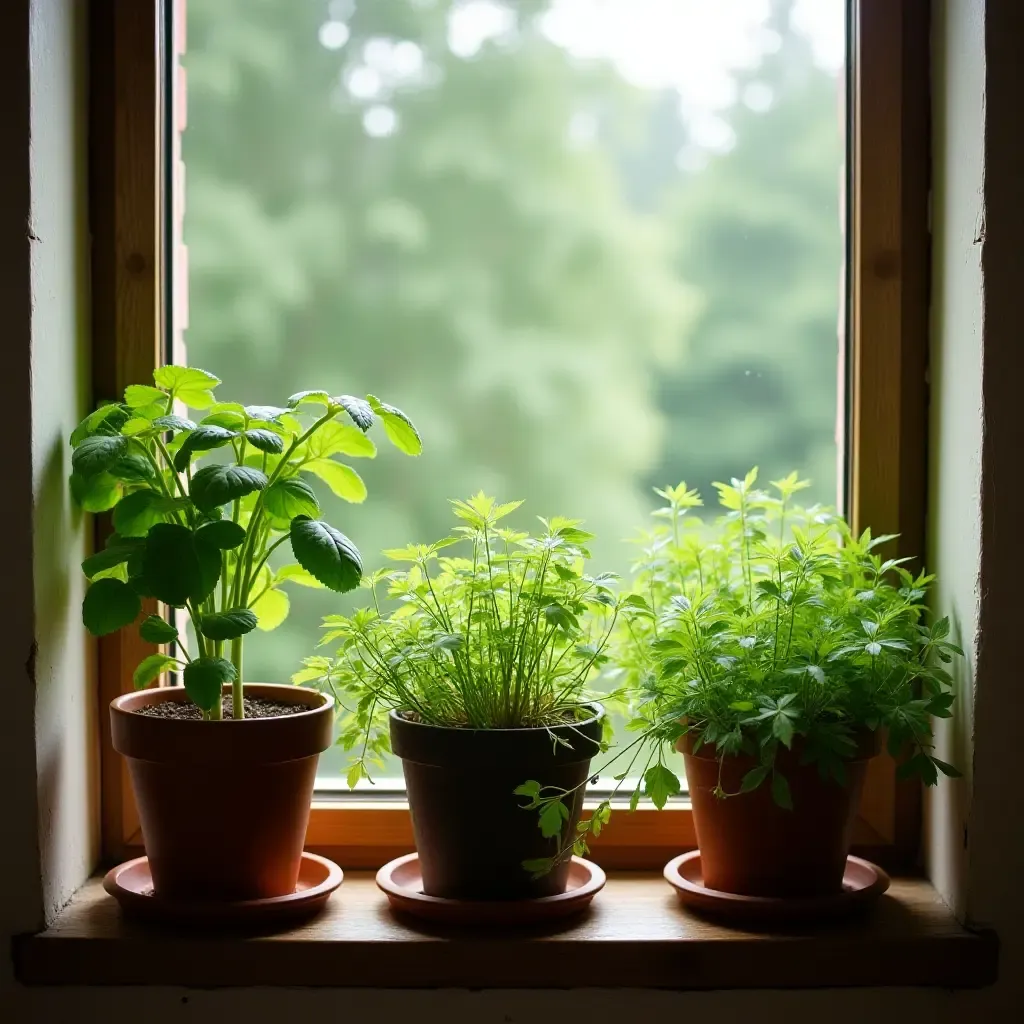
point(635, 936)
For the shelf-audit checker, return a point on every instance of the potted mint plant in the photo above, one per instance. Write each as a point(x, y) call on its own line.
point(779, 653)
point(222, 771)
point(476, 676)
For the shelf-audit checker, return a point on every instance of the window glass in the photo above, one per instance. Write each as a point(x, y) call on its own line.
point(590, 246)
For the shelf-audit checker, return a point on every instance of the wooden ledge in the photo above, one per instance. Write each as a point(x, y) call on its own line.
point(636, 935)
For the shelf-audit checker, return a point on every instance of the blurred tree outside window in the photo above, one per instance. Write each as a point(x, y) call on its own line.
point(590, 246)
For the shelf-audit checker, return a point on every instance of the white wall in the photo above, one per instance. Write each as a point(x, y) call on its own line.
point(45, 715)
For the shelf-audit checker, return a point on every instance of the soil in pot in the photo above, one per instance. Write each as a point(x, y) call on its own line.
point(223, 805)
point(472, 833)
point(752, 846)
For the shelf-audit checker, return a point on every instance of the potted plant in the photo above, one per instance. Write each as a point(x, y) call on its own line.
point(779, 652)
point(222, 772)
point(477, 679)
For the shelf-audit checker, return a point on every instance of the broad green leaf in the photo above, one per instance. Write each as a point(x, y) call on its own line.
point(753, 778)
point(265, 440)
point(107, 419)
point(106, 559)
point(354, 774)
point(358, 409)
point(173, 423)
point(223, 534)
point(98, 453)
point(136, 396)
point(326, 553)
point(205, 679)
point(947, 769)
point(137, 512)
point(178, 566)
point(133, 469)
point(288, 497)
point(307, 397)
point(530, 789)
point(98, 493)
point(780, 791)
point(265, 413)
point(782, 728)
point(335, 438)
point(660, 783)
point(228, 625)
point(343, 481)
point(109, 605)
point(188, 384)
point(552, 817)
point(271, 610)
point(214, 486)
point(205, 438)
point(399, 428)
point(150, 668)
point(155, 630)
point(538, 866)
point(294, 573)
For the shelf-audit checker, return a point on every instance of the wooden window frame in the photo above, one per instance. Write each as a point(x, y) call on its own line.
point(886, 341)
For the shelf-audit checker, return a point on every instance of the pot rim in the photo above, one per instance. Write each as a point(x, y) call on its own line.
point(177, 693)
point(274, 739)
point(398, 715)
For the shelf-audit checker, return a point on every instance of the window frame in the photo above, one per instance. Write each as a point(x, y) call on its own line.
point(134, 152)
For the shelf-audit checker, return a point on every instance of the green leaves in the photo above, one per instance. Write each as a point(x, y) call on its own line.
point(98, 493)
point(138, 396)
point(222, 534)
point(271, 609)
point(334, 438)
point(552, 818)
point(660, 783)
point(343, 481)
point(358, 409)
point(155, 630)
point(399, 428)
point(149, 669)
point(216, 485)
point(265, 440)
point(135, 513)
point(179, 566)
point(205, 679)
point(235, 622)
point(291, 496)
point(326, 553)
point(109, 605)
point(98, 453)
point(204, 438)
point(187, 384)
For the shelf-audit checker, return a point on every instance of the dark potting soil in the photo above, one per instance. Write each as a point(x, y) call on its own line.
point(255, 707)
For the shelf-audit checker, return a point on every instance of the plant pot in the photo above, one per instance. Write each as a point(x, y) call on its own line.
point(751, 846)
point(223, 805)
point(472, 833)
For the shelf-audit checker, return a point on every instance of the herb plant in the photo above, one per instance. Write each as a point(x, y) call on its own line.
point(773, 627)
point(778, 627)
point(503, 635)
point(200, 537)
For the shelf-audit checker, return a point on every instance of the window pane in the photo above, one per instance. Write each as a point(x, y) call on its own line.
point(590, 246)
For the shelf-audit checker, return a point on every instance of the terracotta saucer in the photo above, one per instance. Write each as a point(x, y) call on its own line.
point(131, 884)
point(402, 883)
point(863, 883)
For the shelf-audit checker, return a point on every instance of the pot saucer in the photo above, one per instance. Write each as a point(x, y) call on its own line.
point(402, 883)
point(131, 884)
point(863, 883)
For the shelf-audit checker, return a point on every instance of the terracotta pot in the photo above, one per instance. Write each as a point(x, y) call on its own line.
point(472, 833)
point(750, 845)
point(223, 805)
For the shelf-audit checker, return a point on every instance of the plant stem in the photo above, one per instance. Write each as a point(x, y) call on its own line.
point(237, 691)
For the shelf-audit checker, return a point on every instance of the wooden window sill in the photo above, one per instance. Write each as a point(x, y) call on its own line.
point(636, 935)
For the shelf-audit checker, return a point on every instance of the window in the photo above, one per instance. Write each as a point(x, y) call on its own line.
point(591, 247)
